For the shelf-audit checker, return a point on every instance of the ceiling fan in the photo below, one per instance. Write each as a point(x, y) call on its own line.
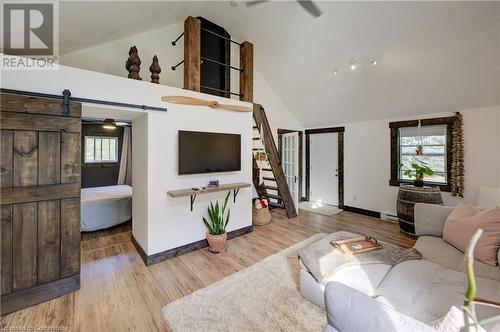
point(308, 5)
point(201, 102)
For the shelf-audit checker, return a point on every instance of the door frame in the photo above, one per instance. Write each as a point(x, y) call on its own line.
point(340, 166)
point(300, 162)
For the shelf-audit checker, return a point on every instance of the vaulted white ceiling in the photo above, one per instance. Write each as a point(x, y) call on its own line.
point(431, 56)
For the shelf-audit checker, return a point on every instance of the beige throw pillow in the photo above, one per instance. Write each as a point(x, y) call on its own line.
point(463, 222)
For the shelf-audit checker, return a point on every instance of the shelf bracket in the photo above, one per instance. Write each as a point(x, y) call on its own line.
point(193, 197)
point(235, 193)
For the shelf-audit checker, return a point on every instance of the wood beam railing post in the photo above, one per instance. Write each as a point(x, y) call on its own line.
point(192, 51)
point(246, 73)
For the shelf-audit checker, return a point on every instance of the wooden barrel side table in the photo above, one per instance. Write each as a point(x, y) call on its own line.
point(407, 197)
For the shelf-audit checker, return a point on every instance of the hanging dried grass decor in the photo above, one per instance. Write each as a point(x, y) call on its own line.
point(457, 162)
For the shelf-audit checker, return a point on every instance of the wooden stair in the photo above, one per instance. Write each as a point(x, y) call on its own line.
point(274, 178)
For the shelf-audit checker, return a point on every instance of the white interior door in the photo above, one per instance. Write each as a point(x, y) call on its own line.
point(324, 180)
point(290, 163)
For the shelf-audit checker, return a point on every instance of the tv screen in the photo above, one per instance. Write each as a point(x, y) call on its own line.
point(201, 152)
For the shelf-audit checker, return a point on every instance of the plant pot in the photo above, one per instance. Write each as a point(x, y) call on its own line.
point(418, 183)
point(216, 242)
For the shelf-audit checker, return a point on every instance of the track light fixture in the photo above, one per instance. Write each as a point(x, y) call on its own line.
point(353, 64)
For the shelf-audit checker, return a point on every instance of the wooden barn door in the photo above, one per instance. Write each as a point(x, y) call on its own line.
point(40, 200)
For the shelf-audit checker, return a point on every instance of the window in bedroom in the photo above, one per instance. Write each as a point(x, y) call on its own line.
point(433, 139)
point(99, 149)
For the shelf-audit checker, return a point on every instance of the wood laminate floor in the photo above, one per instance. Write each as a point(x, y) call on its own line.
point(119, 293)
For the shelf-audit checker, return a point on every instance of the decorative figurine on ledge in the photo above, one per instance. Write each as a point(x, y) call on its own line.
point(133, 64)
point(155, 70)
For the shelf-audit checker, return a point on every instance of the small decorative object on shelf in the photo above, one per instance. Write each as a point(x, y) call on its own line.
point(260, 212)
point(155, 71)
point(213, 183)
point(133, 64)
point(216, 225)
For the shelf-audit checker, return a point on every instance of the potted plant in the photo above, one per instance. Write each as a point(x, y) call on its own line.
point(418, 172)
point(419, 151)
point(216, 225)
point(262, 156)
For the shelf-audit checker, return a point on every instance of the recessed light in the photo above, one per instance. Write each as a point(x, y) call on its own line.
point(353, 66)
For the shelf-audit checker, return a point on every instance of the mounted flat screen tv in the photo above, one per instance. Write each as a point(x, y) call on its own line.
point(201, 152)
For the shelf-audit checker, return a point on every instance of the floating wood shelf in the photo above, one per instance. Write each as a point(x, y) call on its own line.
point(235, 187)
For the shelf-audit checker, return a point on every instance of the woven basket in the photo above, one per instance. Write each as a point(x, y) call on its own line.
point(261, 216)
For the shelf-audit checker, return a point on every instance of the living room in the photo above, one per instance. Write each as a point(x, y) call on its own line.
point(374, 131)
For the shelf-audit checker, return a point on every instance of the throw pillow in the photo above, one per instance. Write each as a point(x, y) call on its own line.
point(464, 221)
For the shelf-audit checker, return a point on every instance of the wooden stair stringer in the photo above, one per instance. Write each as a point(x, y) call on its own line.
point(261, 121)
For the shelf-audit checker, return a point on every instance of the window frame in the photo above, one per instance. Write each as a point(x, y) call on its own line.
point(394, 128)
point(116, 138)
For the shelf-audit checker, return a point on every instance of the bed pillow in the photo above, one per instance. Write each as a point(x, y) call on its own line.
point(463, 222)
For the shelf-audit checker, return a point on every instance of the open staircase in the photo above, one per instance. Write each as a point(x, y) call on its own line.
point(274, 186)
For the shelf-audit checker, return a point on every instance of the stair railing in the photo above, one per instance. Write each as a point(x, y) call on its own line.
point(270, 146)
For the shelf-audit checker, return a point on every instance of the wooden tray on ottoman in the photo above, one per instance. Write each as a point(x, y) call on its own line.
point(357, 245)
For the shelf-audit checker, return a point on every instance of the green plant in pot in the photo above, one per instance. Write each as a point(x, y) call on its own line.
point(263, 156)
point(418, 171)
point(216, 225)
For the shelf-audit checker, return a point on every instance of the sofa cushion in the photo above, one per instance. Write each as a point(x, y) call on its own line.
point(430, 218)
point(350, 310)
point(464, 221)
point(425, 290)
point(436, 250)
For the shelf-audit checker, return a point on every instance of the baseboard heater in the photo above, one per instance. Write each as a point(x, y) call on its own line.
point(388, 217)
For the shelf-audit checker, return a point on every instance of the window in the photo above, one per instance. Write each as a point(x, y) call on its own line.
point(433, 138)
point(100, 149)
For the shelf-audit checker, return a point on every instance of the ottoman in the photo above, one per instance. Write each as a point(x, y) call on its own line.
point(365, 278)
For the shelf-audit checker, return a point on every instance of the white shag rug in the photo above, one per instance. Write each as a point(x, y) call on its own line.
point(262, 297)
point(318, 207)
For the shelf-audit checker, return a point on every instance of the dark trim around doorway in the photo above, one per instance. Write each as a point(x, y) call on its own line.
point(340, 131)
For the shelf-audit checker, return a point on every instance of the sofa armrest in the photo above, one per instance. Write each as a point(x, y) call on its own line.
point(430, 218)
point(350, 310)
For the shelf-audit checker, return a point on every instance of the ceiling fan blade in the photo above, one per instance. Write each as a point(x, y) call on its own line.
point(201, 102)
point(255, 2)
point(310, 7)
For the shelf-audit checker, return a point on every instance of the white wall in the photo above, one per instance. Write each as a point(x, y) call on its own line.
point(367, 159)
point(159, 222)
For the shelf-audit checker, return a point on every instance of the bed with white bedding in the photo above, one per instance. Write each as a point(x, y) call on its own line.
point(103, 207)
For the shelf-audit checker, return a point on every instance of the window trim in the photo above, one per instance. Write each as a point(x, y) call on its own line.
point(102, 161)
point(395, 126)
